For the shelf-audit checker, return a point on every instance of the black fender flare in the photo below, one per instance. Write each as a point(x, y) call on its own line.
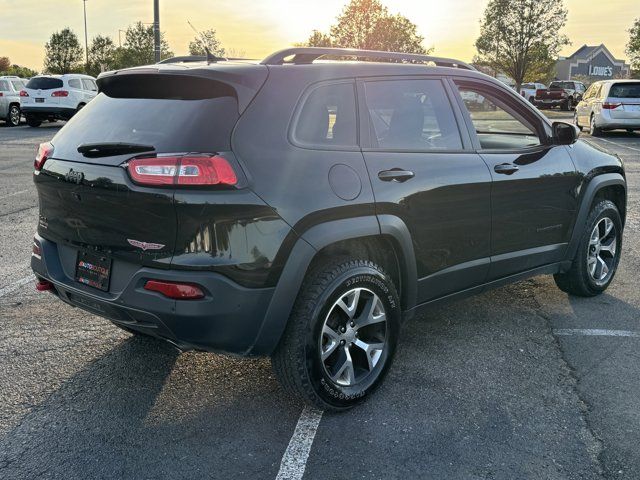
point(305, 249)
point(596, 184)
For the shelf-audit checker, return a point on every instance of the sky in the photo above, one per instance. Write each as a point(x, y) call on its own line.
point(259, 27)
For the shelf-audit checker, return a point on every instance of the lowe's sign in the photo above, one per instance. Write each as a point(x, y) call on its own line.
point(595, 62)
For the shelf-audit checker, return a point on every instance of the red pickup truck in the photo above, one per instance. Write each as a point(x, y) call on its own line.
point(563, 94)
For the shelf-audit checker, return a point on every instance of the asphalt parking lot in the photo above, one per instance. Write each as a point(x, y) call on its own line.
point(522, 382)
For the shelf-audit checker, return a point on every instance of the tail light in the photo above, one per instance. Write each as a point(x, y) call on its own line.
point(178, 291)
point(1, 94)
point(45, 150)
point(611, 106)
point(539, 92)
point(23, 93)
point(60, 93)
point(185, 170)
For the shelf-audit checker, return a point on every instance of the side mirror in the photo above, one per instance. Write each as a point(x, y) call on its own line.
point(564, 133)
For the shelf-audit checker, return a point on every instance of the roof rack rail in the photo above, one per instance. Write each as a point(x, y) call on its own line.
point(307, 55)
point(193, 58)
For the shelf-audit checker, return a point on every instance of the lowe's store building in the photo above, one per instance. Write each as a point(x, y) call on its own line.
point(594, 62)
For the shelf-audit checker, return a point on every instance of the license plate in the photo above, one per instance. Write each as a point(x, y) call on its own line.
point(93, 270)
point(632, 108)
point(39, 100)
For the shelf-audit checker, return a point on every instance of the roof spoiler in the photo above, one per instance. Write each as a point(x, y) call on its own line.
point(307, 55)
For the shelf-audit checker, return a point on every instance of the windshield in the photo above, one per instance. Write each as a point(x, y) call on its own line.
point(169, 125)
point(625, 90)
point(44, 83)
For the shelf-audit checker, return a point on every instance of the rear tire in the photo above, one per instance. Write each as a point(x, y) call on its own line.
point(598, 254)
point(13, 116)
point(576, 122)
point(329, 357)
point(568, 105)
point(33, 121)
point(594, 130)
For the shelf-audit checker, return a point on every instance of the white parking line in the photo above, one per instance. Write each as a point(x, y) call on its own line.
point(595, 332)
point(621, 145)
point(15, 193)
point(12, 287)
point(294, 460)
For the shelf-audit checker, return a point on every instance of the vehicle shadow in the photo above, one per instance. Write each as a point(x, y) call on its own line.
point(145, 411)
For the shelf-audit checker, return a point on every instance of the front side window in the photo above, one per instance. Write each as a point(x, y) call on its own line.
point(75, 83)
point(498, 126)
point(411, 115)
point(328, 117)
point(89, 85)
point(17, 85)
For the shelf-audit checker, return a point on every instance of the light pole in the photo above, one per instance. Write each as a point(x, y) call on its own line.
point(86, 42)
point(156, 29)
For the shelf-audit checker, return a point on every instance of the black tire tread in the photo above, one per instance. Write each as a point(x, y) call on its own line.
point(574, 281)
point(288, 365)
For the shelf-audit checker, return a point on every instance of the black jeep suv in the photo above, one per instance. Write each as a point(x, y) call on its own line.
point(302, 207)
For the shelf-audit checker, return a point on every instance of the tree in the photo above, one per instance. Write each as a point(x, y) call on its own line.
point(521, 37)
point(5, 64)
point(207, 39)
point(138, 47)
point(102, 55)
point(367, 24)
point(633, 47)
point(63, 53)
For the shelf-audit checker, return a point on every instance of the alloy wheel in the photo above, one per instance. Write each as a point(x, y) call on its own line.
point(603, 246)
point(14, 116)
point(353, 338)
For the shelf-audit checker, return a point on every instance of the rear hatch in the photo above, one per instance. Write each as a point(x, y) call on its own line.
point(623, 101)
point(88, 197)
point(40, 91)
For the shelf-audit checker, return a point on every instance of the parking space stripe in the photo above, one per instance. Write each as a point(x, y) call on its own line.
point(594, 332)
point(620, 145)
point(294, 460)
point(15, 193)
point(12, 287)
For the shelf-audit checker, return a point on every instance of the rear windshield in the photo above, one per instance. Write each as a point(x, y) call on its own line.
point(44, 83)
point(170, 125)
point(568, 85)
point(625, 90)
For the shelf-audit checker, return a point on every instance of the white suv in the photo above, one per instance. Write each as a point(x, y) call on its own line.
point(48, 97)
point(10, 87)
point(610, 105)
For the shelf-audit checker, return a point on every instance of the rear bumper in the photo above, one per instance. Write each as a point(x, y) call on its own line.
point(228, 319)
point(47, 110)
point(604, 121)
point(550, 103)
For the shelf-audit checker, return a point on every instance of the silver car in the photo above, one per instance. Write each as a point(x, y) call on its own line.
point(610, 105)
point(10, 87)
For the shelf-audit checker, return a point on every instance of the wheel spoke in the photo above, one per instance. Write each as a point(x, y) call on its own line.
point(602, 270)
point(609, 247)
point(595, 236)
point(349, 307)
point(372, 313)
point(345, 374)
point(608, 226)
point(373, 351)
point(592, 263)
point(332, 344)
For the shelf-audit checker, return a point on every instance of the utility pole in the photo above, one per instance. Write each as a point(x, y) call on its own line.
point(156, 29)
point(86, 41)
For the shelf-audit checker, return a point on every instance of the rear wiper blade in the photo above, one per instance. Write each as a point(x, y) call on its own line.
point(107, 149)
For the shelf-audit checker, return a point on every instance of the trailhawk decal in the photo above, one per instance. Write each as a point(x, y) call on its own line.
point(145, 245)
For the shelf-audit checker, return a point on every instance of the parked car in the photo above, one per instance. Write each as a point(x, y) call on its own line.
point(610, 105)
point(305, 224)
point(528, 90)
point(49, 97)
point(564, 94)
point(10, 87)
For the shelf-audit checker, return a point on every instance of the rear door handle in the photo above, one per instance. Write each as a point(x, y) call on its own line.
point(395, 175)
point(506, 168)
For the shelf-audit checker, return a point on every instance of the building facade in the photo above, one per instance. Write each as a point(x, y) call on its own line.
point(592, 62)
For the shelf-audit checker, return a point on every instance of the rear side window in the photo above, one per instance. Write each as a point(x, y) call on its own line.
point(89, 85)
point(625, 90)
point(411, 115)
point(44, 83)
point(328, 117)
point(4, 85)
point(75, 83)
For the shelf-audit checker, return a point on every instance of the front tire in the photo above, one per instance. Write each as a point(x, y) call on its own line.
point(13, 117)
point(594, 130)
point(341, 336)
point(598, 254)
